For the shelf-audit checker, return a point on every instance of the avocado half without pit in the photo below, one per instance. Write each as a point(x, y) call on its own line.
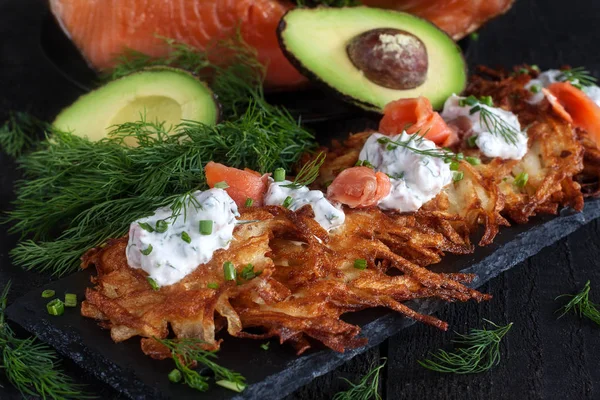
point(372, 56)
point(156, 94)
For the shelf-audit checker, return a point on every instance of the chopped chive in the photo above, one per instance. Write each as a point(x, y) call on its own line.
point(212, 285)
point(487, 100)
point(471, 141)
point(535, 68)
point(70, 300)
point(221, 185)
point(287, 202)
point(474, 110)
point(535, 88)
point(523, 71)
point(458, 176)
point(474, 36)
point(249, 273)
point(146, 226)
point(279, 175)
point(236, 387)
point(147, 250)
point(454, 165)
point(473, 160)
point(175, 376)
point(185, 237)
point(206, 227)
point(265, 346)
point(360, 263)
point(249, 202)
point(521, 179)
point(48, 293)
point(161, 226)
point(153, 284)
point(358, 163)
point(229, 271)
point(55, 307)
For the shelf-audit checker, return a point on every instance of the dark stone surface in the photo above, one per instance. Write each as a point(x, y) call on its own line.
point(543, 357)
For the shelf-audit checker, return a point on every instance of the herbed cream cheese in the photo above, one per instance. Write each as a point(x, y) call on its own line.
point(498, 132)
point(416, 177)
point(285, 194)
point(169, 247)
point(551, 76)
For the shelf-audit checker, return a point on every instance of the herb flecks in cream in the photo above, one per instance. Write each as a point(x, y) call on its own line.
point(171, 244)
point(417, 169)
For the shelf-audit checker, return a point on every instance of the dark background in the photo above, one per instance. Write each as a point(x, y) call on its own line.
point(543, 358)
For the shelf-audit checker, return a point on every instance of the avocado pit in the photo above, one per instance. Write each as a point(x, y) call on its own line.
point(390, 57)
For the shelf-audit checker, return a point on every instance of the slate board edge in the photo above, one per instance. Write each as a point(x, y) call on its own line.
point(302, 370)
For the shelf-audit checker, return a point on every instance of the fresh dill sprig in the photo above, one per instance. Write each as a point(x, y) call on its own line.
point(32, 367)
point(416, 139)
point(308, 173)
point(366, 389)
point(581, 305)
point(496, 125)
point(85, 192)
point(479, 351)
point(186, 352)
point(19, 133)
point(578, 77)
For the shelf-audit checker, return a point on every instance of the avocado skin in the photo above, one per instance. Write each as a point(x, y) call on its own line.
point(324, 84)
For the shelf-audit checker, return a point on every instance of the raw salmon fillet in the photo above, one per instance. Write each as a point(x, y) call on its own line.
point(457, 18)
point(103, 29)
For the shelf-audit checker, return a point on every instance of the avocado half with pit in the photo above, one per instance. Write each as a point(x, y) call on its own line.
point(158, 94)
point(372, 56)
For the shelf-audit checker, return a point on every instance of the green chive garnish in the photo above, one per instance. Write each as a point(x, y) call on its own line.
point(521, 179)
point(487, 100)
point(473, 160)
point(221, 185)
point(48, 293)
point(471, 141)
point(360, 263)
point(153, 284)
point(55, 307)
point(147, 250)
point(175, 376)
point(454, 165)
point(535, 88)
point(265, 346)
point(161, 226)
point(146, 226)
point(279, 175)
point(70, 300)
point(474, 36)
point(287, 202)
point(185, 237)
point(249, 273)
point(249, 202)
point(212, 285)
point(206, 227)
point(229, 271)
point(535, 68)
point(458, 176)
point(236, 387)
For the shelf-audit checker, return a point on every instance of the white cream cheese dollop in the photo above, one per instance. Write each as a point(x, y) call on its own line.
point(492, 144)
point(326, 214)
point(415, 178)
point(167, 256)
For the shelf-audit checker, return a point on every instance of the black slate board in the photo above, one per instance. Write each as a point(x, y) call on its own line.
point(276, 372)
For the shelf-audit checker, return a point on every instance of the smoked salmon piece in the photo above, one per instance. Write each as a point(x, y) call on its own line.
point(359, 187)
point(457, 18)
point(103, 29)
point(416, 116)
point(243, 184)
point(575, 106)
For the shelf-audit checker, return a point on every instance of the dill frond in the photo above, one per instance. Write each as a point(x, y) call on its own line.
point(496, 125)
point(19, 133)
point(186, 352)
point(32, 367)
point(367, 388)
point(479, 351)
point(308, 173)
point(581, 305)
point(416, 138)
point(578, 77)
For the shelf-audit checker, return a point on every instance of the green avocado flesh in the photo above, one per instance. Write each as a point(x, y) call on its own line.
point(161, 94)
point(316, 41)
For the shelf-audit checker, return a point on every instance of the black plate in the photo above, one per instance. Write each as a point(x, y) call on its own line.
point(310, 104)
point(277, 372)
